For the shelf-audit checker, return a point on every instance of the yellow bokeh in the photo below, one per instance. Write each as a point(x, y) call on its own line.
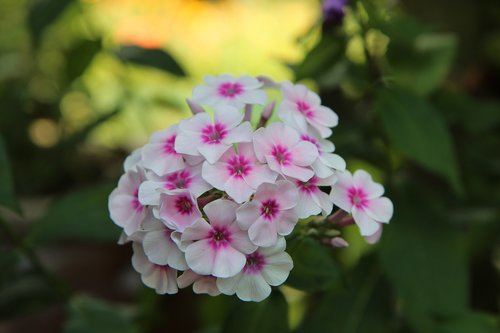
point(205, 37)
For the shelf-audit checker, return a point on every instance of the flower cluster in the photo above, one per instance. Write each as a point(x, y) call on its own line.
point(214, 198)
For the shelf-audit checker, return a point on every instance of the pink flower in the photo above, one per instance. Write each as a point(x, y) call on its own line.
point(327, 163)
point(188, 179)
point(200, 135)
point(159, 154)
point(312, 200)
point(300, 107)
point(160, 249)
point(124, 207)
point(202, 284)
point(270, 213)
point(161, 278)
point(228, 90)
point(178, 209)
point(283, 150)
point(265, 267)
point(359, 195)
point(218, 248)
point(238, 173)
point(133, 161)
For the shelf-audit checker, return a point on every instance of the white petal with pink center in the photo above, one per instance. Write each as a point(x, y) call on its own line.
point(188, 179)
point(209, 138)
point(312, 200)
point(327, 163)
point(125, 209)
point(265, 267)
point(301, 107)
point(178, 209)
point(228, 90)
point(359, 195)
point(202, 284)
point(270, 213)
point(238, 173)
point(163, 279)
point(133, 161)
point(281, 148)
point(159, 154)
point(218, 248)
point(162, 250)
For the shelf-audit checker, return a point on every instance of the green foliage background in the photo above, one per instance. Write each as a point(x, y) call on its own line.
point(416, 86)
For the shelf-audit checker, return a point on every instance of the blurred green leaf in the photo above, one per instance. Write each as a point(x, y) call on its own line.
point(314, 267)
point(87, 314)
point(321, 58)
point(471, 322)
point(419, 59)
point(365, 305)
point(268, 316)
point(156, 58)
point(414, 126)
point(80, 56)
point(7, 197)
point(425, 261)
point(42, 14)
point(81, 215)
point(474, 115)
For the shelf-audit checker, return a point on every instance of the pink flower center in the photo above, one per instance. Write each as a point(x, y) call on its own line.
point(168, 146)
point(282, 155)
point(184, 205)
point(238, 166)
point(255, 263)
point(269, 209)
point(135, 202)
point(308, 187)
point(213, 133)
point(219, 237)
point(304, 108)
point(178, 180)
point(312, 140)
point(357, 197)
point(230, 90)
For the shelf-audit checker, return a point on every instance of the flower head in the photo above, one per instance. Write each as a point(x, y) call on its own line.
point(359, 195)
point(210, 138)
point(228, 90)
point(270, 213)
point(217, 248)
point(265, 267)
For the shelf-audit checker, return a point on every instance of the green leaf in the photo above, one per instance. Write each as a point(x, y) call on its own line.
point(80, 56)
point(419, 59)
point(425, 262)
point(156, 58)
point(414, 126)
point(364, 306)
point(470, 322)
point(82, 215)
point(91, 315)
point(314, 267)
point(42, 14)
point(7, 197)
point(268, 316)
point(321, 58)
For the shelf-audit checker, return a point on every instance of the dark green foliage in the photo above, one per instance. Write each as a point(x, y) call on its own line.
point(7, 197)
point(155, 58)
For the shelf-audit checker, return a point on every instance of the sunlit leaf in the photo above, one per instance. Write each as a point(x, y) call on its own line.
point(414, 126)
point(81, 215)
point(268, 316)
point(156, 58)
point(87, 314)
point(314, 267)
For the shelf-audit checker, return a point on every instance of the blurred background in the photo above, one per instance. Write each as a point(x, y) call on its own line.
point(416, 85)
